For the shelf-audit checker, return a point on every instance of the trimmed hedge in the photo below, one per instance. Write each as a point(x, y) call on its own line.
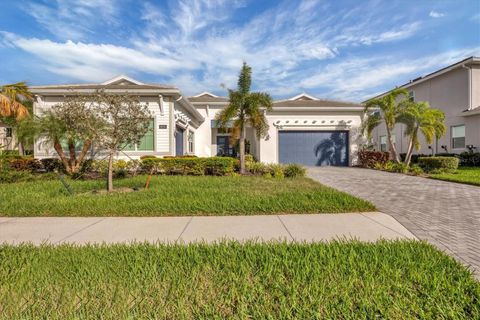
point(467, 159)
point(369, 159)
point(438, 164)
point(215, 166)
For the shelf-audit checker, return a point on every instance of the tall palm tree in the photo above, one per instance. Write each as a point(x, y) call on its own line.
point(390, 107)
point(419, 117)
point(13, 100)
point(245, 108)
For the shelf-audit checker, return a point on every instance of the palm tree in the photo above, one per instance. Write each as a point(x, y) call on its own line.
point(13, 99)
point(419, 117)
point(390, 107)
point(245, 108)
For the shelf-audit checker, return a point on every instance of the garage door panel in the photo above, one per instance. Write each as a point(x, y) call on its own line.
point(314, 148)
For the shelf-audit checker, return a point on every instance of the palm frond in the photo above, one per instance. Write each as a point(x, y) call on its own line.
point(370, 122)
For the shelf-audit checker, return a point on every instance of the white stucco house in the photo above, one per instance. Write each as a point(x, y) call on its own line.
point(303, 129)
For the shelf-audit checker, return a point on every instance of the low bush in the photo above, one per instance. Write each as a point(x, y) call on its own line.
point(470, 159)
point(438, 164)
point(415, 170)
point(294, 170)
point(52, 165)
point(25, 164)
point(369, 159)
point(276, 170)
point(399, 168)
point(216, 166)
point(257, 168)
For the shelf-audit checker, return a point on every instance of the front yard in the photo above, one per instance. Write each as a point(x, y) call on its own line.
point(177, 196)
point(389, 280)
point(467, 175)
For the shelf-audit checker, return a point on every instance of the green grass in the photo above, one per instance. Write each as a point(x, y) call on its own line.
point(176, 196)
point(340, 280)
point(467, 175)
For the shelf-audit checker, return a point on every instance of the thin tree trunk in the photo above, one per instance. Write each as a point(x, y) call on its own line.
point(71, 150)
point(58, 147)
point(110, 173)
point(242, 150)
point(21, 149)
point(408, 156)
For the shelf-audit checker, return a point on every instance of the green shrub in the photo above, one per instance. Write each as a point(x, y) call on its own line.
point(148, 157)
point(415, 169)
point(12, 176)
point(216, 166)
point(438, 164)
point(276, 170)
point(258, 168)
point(219, 166)
point(183, 166)
point(52, 165)
point(399, 168)
point(294, 170)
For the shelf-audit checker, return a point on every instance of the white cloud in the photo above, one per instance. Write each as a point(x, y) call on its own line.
point(436, 14)
point(73, 19)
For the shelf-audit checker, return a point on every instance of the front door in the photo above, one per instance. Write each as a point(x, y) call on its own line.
point(179, 141)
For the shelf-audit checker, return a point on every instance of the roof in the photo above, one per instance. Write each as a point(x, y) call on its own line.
point(468, 61)
point(120, 82)
point(207, 97)
point(314, 103)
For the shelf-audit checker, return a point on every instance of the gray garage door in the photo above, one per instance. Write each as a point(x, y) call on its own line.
point(313, 148)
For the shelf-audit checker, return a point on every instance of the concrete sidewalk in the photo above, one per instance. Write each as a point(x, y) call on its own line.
point(311, 227)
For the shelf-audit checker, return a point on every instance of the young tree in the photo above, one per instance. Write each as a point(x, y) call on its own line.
point(390, 107)
point(419, 117)
point(72, 123)
point(245, 108)
point(126, 122)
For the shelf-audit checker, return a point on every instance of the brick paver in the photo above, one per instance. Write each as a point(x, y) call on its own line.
point(446, 214)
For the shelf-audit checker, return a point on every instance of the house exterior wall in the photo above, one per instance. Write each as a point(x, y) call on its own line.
point(342, 120)
point(7, 143)
point(162, 137)
point(450, 92)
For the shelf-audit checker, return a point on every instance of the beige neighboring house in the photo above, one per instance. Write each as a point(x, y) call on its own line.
point(303, 129)
point(456, 91)
point(7, 138)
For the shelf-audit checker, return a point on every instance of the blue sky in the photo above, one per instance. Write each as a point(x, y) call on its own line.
point(348, 49)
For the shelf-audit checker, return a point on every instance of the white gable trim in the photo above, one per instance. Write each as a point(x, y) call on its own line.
point(303, 95)
point(122, 77)
point(205, 93)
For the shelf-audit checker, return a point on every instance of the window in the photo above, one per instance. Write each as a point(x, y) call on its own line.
point(78, 145)
point(191, 138)
point(8, 132)
point(411, 95)
point(458, 137)
point(383, 143)
point(146, 143)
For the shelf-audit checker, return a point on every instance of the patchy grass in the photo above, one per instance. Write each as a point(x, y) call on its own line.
point(176, 196)
point(339, 280)
point(467, 175)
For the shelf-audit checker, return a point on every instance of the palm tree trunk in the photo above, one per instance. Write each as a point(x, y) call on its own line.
point(71, 150)
point(242, 150)
point(110, 173)
point(408, 156)
point(392, 147)
point(58, 147)
point(83, 153)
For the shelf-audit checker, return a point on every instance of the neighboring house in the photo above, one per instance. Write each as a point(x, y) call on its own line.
point(456, 91)
point(303, 129)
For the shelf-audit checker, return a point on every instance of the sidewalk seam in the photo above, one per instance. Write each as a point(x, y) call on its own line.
point(388, 226)
point(78, 231)
point(184, 228)
point(283, 224)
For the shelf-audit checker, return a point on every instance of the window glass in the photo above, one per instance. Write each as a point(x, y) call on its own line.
point(146, 143)
point(458, 137)
point(8, 132)
point(383, 143)
point(411, 95)
point(78, 145)
point(191, 138)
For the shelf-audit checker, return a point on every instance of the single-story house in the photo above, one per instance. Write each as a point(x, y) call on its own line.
point(303, 129)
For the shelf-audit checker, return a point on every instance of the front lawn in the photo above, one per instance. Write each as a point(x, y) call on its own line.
point(340, 280)
point(467, 175)
point(176, 196)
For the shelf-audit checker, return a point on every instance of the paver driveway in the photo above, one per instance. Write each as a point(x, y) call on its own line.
point(444, 213)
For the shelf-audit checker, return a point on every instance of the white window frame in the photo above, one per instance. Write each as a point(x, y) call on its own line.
point(411, 95)
point(452, 137)
point(386, 143)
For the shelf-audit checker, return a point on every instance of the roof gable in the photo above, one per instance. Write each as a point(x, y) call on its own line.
point(302, 97)
point(122, 80)
point(205, 94)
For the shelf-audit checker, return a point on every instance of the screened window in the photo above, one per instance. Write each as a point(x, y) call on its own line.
point(383, 143)
point(8, 132)
point(146, 143)
point(411, 96)
point(191, 139)
point(458, 137)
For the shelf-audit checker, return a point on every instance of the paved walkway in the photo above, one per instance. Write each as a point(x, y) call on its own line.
point(444, 213)
point(317, 227)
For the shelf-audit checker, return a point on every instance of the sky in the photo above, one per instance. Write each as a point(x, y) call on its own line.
point(346, 49)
